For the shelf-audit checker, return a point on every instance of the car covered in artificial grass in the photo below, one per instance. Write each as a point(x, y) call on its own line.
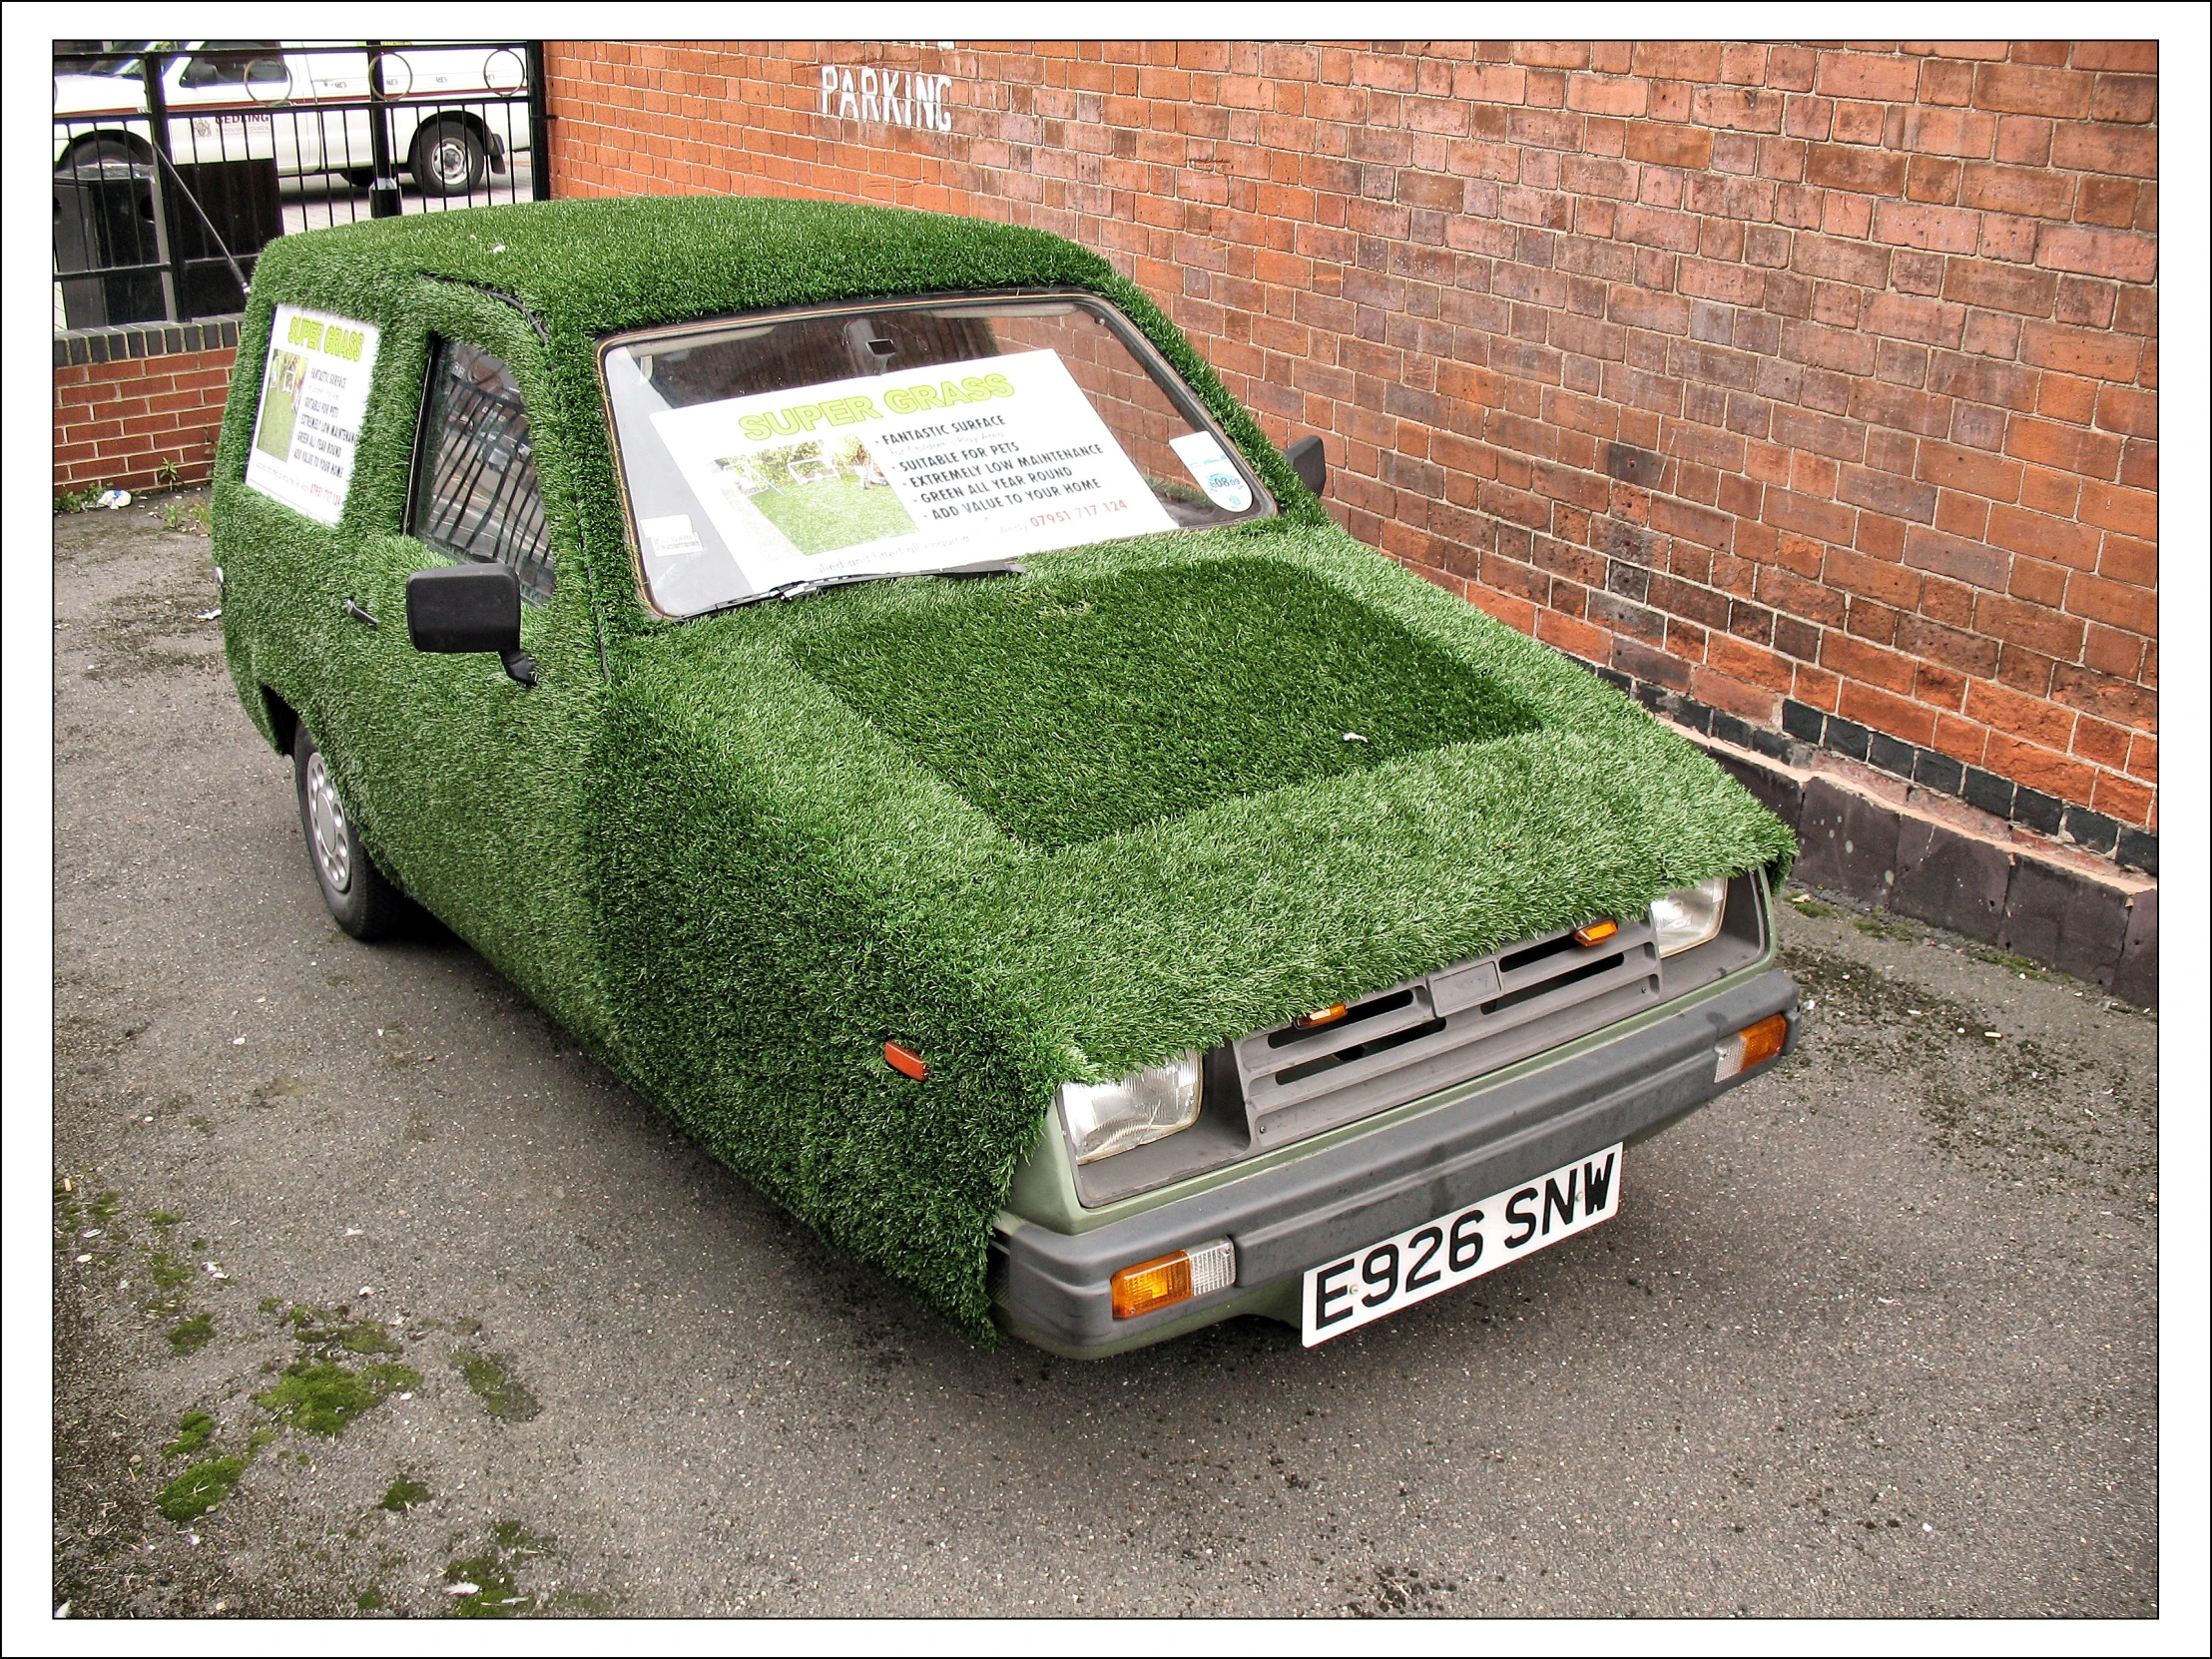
point(860, 671)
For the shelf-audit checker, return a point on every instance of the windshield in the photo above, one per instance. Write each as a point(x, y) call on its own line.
point(926, 435)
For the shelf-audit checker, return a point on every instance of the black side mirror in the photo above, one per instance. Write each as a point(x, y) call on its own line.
point(463, 608)
point(1308, 462)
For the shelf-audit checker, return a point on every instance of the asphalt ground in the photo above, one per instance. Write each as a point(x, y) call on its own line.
point(1875, 1334)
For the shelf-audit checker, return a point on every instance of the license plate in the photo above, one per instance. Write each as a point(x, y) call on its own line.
point(1473, 1240)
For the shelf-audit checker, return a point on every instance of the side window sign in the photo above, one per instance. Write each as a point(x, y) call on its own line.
point(315, 392)
point(476, 481)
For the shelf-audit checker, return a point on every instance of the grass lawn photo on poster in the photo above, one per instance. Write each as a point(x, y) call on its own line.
point(280, 406)
point(822, 499)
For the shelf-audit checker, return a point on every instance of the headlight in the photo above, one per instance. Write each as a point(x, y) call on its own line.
point(1106, 1118)
point(1690, 916)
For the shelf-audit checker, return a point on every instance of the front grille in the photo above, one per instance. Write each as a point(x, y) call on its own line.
point(1457, 1023)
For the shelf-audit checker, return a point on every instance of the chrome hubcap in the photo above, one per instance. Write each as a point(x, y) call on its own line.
point(450, 161)
point(327, 822)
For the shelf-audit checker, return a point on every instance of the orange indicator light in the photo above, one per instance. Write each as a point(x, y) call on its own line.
point(1320, 1016)
point(1754, 1045)
point(902, 1058)
point(1154, 1283)
point(1165, 1280)
point(1762, 1042)
point(1596, 933)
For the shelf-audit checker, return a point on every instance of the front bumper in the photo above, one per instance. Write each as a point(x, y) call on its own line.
point(1054, 1289)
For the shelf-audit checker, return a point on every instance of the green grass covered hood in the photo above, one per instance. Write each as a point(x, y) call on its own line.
point(1152, 796)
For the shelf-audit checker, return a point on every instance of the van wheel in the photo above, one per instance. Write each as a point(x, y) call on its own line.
point(360, 900)
point(448, 158)
point(88, 154)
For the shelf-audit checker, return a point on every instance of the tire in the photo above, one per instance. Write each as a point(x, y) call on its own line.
point(360, 178)
point(359, 900)
point(89, 153)
point(448, 158)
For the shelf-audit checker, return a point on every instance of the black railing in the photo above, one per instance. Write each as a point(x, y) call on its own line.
point(176, 163)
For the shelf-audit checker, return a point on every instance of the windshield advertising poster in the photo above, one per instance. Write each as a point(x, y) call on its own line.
point(310, 415)
point(962, 464)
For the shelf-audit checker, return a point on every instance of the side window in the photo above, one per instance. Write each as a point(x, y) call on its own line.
point(475, 483)
point(233, 63)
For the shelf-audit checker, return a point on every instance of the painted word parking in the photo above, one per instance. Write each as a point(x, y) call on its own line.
point(896, 97)
point(1424, 1261)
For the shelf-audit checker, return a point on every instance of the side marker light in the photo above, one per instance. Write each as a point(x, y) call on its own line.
point(904, 1059)
point(1754, 1045)
point(1596, 933)
point(1167, 1280)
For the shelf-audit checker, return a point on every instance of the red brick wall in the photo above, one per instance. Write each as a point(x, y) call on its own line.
point(1761, 372)
point(115, 423)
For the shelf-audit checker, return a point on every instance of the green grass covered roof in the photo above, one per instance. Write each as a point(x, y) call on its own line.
point(593, 266)
point(1035, 828)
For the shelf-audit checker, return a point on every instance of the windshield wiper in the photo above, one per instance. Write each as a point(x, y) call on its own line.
point(805, 585)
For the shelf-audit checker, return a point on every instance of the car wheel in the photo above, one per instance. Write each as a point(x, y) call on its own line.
point(360, 178)
point(88, 153)
point(448, 160)
point(360, 900)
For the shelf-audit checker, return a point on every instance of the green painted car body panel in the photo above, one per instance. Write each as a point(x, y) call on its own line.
point(734, 876)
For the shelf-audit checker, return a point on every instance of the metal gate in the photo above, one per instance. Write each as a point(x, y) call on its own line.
point(177, 162)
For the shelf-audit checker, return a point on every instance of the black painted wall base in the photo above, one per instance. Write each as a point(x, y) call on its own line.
point(1805, 727)
point(1894, 860)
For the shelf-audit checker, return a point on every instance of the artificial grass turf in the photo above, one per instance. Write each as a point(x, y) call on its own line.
point(1075, 709)
point(1039, 828)
point(795, 886)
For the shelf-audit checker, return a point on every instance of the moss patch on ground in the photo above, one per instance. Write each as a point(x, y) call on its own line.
point(403, 1494)
point(355, 1336)
point(199, 1489)
point(193, 1335)
point(490, 1379)
point(483, 1586)
point(1072, 710)
point(319, 1397)
point(326, 1334)
point(194, 1431)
